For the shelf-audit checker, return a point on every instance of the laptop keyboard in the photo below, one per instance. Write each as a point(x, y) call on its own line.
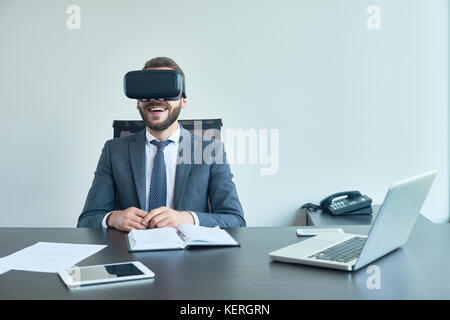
point(343, 252)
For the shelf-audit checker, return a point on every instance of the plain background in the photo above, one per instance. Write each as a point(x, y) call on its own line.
point(355, 108)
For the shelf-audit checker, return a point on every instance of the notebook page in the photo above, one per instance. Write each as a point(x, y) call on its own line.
point(157, 238)
point(196, 235)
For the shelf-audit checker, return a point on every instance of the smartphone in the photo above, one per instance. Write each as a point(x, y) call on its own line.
point(75, 277)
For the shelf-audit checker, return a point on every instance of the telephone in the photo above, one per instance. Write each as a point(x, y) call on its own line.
point(344, 203)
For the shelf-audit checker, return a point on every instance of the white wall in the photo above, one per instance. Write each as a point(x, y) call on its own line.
point(356, 108)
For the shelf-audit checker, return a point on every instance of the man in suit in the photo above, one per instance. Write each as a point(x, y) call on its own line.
point(154, 179)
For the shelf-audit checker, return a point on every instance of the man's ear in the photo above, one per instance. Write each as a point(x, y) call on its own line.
point(137, 104)
point(183, 103)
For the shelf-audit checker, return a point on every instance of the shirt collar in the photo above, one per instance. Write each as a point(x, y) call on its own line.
point(175, 137)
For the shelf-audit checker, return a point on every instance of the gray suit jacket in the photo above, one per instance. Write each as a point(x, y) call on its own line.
point(203, 184)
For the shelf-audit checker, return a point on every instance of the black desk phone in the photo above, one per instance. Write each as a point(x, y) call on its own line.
point(344, 203)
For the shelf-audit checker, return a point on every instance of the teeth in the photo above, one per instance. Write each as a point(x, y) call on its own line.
point(157, 109)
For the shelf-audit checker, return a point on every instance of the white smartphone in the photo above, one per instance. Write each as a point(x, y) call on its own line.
point(315, 232)
point(75, 277)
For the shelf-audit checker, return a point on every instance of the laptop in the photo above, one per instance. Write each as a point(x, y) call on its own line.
point(390, 230)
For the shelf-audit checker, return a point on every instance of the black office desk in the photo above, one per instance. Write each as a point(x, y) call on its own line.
point(420, 270)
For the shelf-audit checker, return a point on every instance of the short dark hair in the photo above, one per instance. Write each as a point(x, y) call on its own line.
point(160, 62)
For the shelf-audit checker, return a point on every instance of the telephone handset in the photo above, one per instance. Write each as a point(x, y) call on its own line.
point(352, 203)
point(344, 203)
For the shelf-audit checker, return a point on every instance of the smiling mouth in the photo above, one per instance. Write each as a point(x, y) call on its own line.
point(156, 109)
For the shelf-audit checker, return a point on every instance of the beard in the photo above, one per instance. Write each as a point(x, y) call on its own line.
point(173, 113)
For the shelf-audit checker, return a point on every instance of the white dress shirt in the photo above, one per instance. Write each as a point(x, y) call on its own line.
point(170, 158)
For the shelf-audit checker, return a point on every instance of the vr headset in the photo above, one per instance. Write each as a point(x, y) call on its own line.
point(147, 85)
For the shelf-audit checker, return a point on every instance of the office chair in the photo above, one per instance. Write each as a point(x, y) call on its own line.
point(124, 128)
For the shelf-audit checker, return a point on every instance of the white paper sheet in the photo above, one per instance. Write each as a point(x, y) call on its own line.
point(48, 256)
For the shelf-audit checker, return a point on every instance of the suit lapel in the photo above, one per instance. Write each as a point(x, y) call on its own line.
point(183, 169)
point(137, 159)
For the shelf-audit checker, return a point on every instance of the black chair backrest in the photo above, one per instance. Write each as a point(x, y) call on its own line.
point(124, 128)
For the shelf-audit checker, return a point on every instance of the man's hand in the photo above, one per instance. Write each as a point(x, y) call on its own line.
point(166, 217)
point(127, 220)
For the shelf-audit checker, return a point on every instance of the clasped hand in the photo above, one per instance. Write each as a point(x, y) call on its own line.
point(134, 218)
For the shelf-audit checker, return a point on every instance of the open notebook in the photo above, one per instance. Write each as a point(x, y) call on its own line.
point(171, 238)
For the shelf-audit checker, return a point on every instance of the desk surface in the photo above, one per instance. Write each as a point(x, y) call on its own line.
point(419, 270)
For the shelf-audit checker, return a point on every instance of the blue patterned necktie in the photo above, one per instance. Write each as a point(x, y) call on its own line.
point(158, 182)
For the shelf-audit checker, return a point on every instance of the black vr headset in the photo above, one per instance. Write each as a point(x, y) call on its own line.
point(147, 85)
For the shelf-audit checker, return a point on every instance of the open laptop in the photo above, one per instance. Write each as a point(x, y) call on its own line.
point(390, 230)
